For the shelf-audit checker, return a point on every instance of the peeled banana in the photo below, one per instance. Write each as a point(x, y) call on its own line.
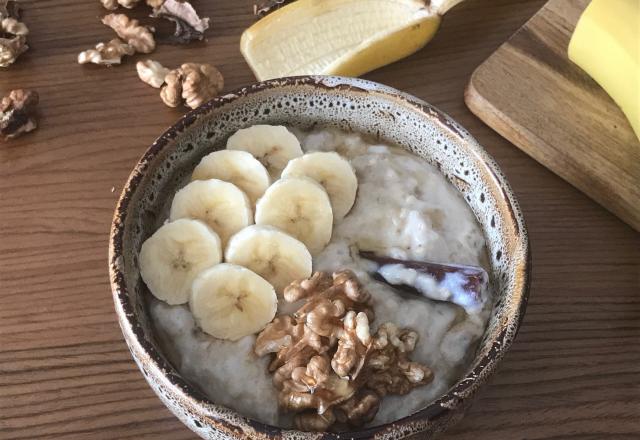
point(339, 37)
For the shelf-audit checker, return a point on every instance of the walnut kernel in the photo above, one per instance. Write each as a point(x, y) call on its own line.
point(17, 113)
point(326, 364)
point(171, 93)
point(106, 54)
point(152, 72)
point(201, 83)
point(195, 83)
point(130, 30)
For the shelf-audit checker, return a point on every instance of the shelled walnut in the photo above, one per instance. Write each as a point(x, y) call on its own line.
point(106, 54)
point(17, 113)
point(326, 364)
point(152, 72)
point(131, 31)
point(194, 83)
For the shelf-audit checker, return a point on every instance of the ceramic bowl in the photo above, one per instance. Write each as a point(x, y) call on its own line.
point(350, 104)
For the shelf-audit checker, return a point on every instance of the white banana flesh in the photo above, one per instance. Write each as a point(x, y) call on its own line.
point(171, 258)
point(231, 302)
point(237, 167)
point(277, 257)
point(300, 207)
point(273, 145)
point(221, 205)
point(333, 172)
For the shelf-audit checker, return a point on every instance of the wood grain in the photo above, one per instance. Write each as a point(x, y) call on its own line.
point(65, 372)
point(567, 121)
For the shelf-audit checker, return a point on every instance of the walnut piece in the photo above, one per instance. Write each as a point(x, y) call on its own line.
point(189, 25)
point(201, 83)
point(359, 409)
point(13, 34)
point(112, 5)
point(195, 83)
point(11, 49)
point(130, 30)
point(152, 72)
point(171, 92)
point(12, 26)
point(106, 54)
point(326, 364)
point(17, 113)
point(388, 368)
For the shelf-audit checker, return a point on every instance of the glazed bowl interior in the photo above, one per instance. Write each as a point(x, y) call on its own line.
point(306, 102)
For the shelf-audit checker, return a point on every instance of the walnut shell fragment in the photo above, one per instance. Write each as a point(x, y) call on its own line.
point(329, 368)
point(189, 25)
point(18, 113)
point(264, 7)
point(106, 54)
point(130, 30)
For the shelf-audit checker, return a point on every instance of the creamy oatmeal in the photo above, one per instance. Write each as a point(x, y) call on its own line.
point(404, 209)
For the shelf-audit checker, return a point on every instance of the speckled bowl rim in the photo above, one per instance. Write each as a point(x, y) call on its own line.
point(444, 408)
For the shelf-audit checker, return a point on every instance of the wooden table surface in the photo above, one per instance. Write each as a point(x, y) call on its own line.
point(65, 372)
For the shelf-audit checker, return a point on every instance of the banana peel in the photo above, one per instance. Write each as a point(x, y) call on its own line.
point(339, 37)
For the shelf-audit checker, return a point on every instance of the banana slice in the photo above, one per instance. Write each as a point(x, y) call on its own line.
point(277, 257)
point(300, 207)
point(237, 167)
point(230, 301)
point(333, 172)
point(273, 145)
point(174, 255)
point(221, 205)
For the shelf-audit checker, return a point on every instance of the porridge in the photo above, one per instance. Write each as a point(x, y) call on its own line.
point(405, 210)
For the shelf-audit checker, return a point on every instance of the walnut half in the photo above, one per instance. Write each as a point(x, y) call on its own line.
point(106, 54)
point(132, 32)
point(195, 83)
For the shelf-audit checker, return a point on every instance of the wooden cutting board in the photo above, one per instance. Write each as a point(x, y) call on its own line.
point(533, 95)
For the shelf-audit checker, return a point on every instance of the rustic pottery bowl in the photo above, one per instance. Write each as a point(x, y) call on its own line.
point(350, 104)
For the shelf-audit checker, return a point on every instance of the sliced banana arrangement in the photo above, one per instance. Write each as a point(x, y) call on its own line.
point(182, 262)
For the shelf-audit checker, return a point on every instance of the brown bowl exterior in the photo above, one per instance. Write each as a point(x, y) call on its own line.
point(350, 104)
